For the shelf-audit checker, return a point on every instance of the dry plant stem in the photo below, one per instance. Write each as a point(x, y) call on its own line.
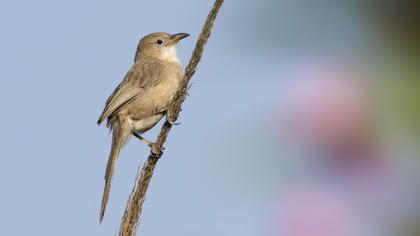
point(133, 209)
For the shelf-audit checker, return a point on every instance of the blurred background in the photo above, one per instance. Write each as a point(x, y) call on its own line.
point(303, 118)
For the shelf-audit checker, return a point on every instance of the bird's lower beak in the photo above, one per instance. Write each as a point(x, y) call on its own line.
point(179, 36)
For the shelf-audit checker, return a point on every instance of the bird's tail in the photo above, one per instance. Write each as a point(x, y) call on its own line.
point(119, 137)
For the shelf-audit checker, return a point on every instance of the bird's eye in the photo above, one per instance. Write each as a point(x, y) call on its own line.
point(159, 41)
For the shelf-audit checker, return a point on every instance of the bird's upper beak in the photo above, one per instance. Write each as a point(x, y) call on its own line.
point(177, 37)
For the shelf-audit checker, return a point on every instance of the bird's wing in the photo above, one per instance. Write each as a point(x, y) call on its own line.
point(139, 77)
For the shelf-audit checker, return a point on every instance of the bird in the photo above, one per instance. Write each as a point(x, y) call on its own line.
point(142, 98)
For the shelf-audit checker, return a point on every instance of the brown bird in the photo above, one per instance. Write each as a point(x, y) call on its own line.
point(143, 97)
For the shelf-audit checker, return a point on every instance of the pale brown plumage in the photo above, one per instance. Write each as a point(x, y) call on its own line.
point(143, 97)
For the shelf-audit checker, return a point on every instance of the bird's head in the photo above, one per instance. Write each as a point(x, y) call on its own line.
point(160, 46)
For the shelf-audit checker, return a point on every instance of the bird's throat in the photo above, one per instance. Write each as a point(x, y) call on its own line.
point(169, 54)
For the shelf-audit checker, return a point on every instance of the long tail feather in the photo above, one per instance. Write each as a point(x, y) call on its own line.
point(118, 141)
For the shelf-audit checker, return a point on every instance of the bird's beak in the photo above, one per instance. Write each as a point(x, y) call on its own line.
point(177, 37)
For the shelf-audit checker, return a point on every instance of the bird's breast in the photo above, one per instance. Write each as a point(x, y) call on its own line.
point(162, 93)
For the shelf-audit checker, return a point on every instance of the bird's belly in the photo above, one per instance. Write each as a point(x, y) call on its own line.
point(145, 124)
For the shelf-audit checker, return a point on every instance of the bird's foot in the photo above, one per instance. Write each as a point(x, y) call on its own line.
point(172, 121)
point(155, 150)
point(153, 147)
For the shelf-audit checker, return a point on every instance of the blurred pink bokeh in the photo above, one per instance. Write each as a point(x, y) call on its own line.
point(356, 183)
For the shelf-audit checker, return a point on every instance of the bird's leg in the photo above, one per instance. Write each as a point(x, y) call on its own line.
point(148, 143)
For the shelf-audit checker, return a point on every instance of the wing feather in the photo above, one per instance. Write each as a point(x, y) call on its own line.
point(138, 78)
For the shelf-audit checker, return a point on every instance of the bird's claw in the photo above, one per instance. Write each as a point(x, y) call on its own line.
point(155, 150)
point(174, 123)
